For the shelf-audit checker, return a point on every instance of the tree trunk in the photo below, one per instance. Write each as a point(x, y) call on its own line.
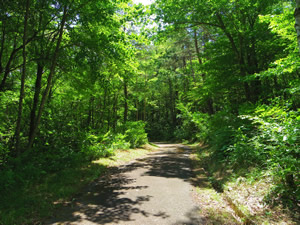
point(209, 101)
point(115, 112)
point(90, 113)
point(171, 102)
point(103, 114)
point(22, 92)
point(49, 80)
point(145, 107)
point(125, 101)
point(297, 24)
point(108, 114)
point(7, 69)
point(38, 84)
point(197, 47)
point(137, 110)
point(2, 45)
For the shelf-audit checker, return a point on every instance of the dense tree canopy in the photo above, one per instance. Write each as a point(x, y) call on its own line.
point(81, 78)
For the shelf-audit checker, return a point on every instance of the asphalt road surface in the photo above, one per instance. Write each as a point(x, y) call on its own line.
point(155, 189)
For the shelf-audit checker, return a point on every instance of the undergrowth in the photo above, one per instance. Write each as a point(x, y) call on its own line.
point(249, 188)
point(38, 181)
point(259, 138)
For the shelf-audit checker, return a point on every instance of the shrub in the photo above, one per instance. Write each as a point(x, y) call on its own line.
point(222, 130)
point(135, 133)
point(273, 143)
point(194, 124)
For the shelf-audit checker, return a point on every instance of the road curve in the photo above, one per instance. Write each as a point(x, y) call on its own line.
point(155, 189)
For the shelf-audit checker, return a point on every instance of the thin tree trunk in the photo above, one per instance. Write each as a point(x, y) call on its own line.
point(2, 45)
point(50, 77)
point(297, 18)
point(38, 84)
point(22, 92)
point(125, 101)
point(191, 64)
point(145, 107)
point(115, 111)
point(108, 114)
point(102, 117)
point(171, 100)
point(209, 101)
point(90, 113)
point(7, 69)
point(137, 110)
point(198, 52)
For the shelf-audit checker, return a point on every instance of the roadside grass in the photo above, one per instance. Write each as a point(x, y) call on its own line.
point(31, 203)
point(245, 189)
point(213, 208)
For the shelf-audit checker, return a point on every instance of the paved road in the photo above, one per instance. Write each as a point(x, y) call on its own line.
point(152, 190)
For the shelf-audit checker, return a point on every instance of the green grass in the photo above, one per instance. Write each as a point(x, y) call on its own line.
point(34, 201)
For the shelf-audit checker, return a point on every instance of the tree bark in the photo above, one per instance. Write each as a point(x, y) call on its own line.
point(7, 69)
point(145, 107)
point(22, 92)
point(238, 54)
point(50, 77)
point(115, 111)
point(2, 45)
point(197, 47)
point(125, 101)
point(37, 90)
point(297, 19)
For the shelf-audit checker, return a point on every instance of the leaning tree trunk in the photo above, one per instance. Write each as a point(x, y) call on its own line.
point(49, 80)
point(38, 85)
point(297, 24)
point(22, 92)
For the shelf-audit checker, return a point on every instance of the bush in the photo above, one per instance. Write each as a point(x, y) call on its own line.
point(135, 133)
point(222, 130)
point(103, 146)
point(194, 124)
point(272, 143)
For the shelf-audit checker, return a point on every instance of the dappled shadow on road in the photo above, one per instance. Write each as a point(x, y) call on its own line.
point(104, 201)
point(169, 165)
point(192, 218)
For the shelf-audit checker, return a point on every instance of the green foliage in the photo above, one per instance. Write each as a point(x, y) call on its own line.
point(209, 73)
point(222, 127)
point(271, 141)
point(194, 124)
point(135, 133)
point(96, 147)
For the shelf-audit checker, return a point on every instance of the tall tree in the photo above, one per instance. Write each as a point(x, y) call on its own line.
point(50, 76)
point(20, 109)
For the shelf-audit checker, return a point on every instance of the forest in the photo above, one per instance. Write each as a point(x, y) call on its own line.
point(80, 79)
